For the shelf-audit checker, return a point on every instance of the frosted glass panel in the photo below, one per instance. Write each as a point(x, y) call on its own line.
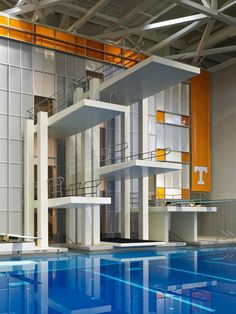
point(26, 55)
point(15, 222)
point(38, 58)
point(27, 103)
point(48, 85)
point(160, 131)
point(3, 222)
point(177, 179)
point(169, 180)
point(168, 101)
point(15, 79)
point(15, 151)
point(15, 199)
point(3, 50)
point(168, 137)
point(60, 63)
point(15, 175)
point(186, 177)
point(4, 175)
point(14, 52)
point(176, 98)
point(160, 101)
point(3, 76)
point(184, 139)
point(152, 125)
point(174, 156)
point(3, 124)
point(70, 65)
point(15, 106)
point(49, 61)
point(3, 101)
point(176, 135)
point(152, 106)
point(27, 81)
point(38, 83)
point(185, 99)
point(173, 193)
point(79, 67)
point(3, 199)
point(152, 143)
point(15, 127)
point(3, 150)
point(160, 180)
point(172, 119)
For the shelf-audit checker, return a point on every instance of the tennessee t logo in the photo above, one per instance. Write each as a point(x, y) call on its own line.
point(200, 170)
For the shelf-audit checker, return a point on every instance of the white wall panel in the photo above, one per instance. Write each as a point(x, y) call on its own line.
point(49, 61)
point(15, 103)
point(15, 175)
point(3, 101)
point(15, 222)
point(184, 139)
point(3, 150)
point(3, 221)
point(38, 58)
point(152, 106)
point(49, 87)
point(160, 180)
point(3, 50)
point(70, 65)
point(4, 126)
point(4, 175)
point(160, 136)
point(27, 102)
point(15, 78)
point(60, 63)
point(159, 98)
point(185, 99)
point(38, 83)
point(15, 151)
point(3, 76)
point(15, 199)
point(26, 55)
point(14, 52)
point(3, 199)
point(15, 127)
point(27, 81)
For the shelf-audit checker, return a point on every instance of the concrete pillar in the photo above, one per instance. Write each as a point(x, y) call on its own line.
point(29, 177)
point(70, 179)
point(143, 182)
point(78, 179)
point(125, 183)
point(42, 186)
point(96, 176)
point(86, 138)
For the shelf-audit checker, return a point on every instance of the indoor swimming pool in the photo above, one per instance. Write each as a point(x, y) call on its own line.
point(149, 281)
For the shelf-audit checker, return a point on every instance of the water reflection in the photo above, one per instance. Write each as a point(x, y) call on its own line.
point(138, 282)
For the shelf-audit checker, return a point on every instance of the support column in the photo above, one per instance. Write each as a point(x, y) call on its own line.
point(125, 183)
point(70, 212)
point(96, 176)
point(42, 186)
point(86, 138)
point(29, 177)
point(143, 182)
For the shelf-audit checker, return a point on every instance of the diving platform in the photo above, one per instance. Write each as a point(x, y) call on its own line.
point(137, 168)
point(183, 209)
point(76, 201)
point(145, 79)
point(82, 116)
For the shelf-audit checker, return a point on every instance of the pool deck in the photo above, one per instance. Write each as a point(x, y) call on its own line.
point(207, 241)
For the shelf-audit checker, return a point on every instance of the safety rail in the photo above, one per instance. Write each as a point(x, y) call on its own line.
point(82, 83)
point(112, 151)
point(176, 235)
point(150, 155)
point(84, 189)
point(55, 187)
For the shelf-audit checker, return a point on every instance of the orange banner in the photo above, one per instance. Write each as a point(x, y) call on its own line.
point(200, 132)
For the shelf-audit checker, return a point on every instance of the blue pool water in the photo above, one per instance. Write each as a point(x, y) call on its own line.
point(191, 281)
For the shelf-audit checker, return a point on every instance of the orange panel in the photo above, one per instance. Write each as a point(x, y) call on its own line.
point(19, 35)
point(3, 20)
point(21, 25)
point(185, 157)
point(111, 52)
point(3, 31)
point(200, 135)
point(185, 194)
point(90, 53)
point(160, 154)
point(160, 116)
point(43, 35)
point(160, 193)
point(81, 44)
point(94, 44)
point(65, 42)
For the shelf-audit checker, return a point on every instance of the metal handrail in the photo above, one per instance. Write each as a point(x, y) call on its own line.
point(112, 150)
point(55, 187)
point(150, 155)
point(87, 188)
point(177, 236)
point(82, 81)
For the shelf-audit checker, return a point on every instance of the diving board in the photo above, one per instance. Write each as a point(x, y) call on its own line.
point(145, 79)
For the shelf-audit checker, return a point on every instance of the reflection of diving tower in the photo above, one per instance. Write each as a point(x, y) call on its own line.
point(95, 101)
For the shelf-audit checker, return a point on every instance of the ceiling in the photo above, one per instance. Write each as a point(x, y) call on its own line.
point(198, 32)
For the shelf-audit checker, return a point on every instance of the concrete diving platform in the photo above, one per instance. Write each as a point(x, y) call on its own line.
point(76, 201)
point(145, 79)
point(82, 116)
point(183, 209)
point(137, 168)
